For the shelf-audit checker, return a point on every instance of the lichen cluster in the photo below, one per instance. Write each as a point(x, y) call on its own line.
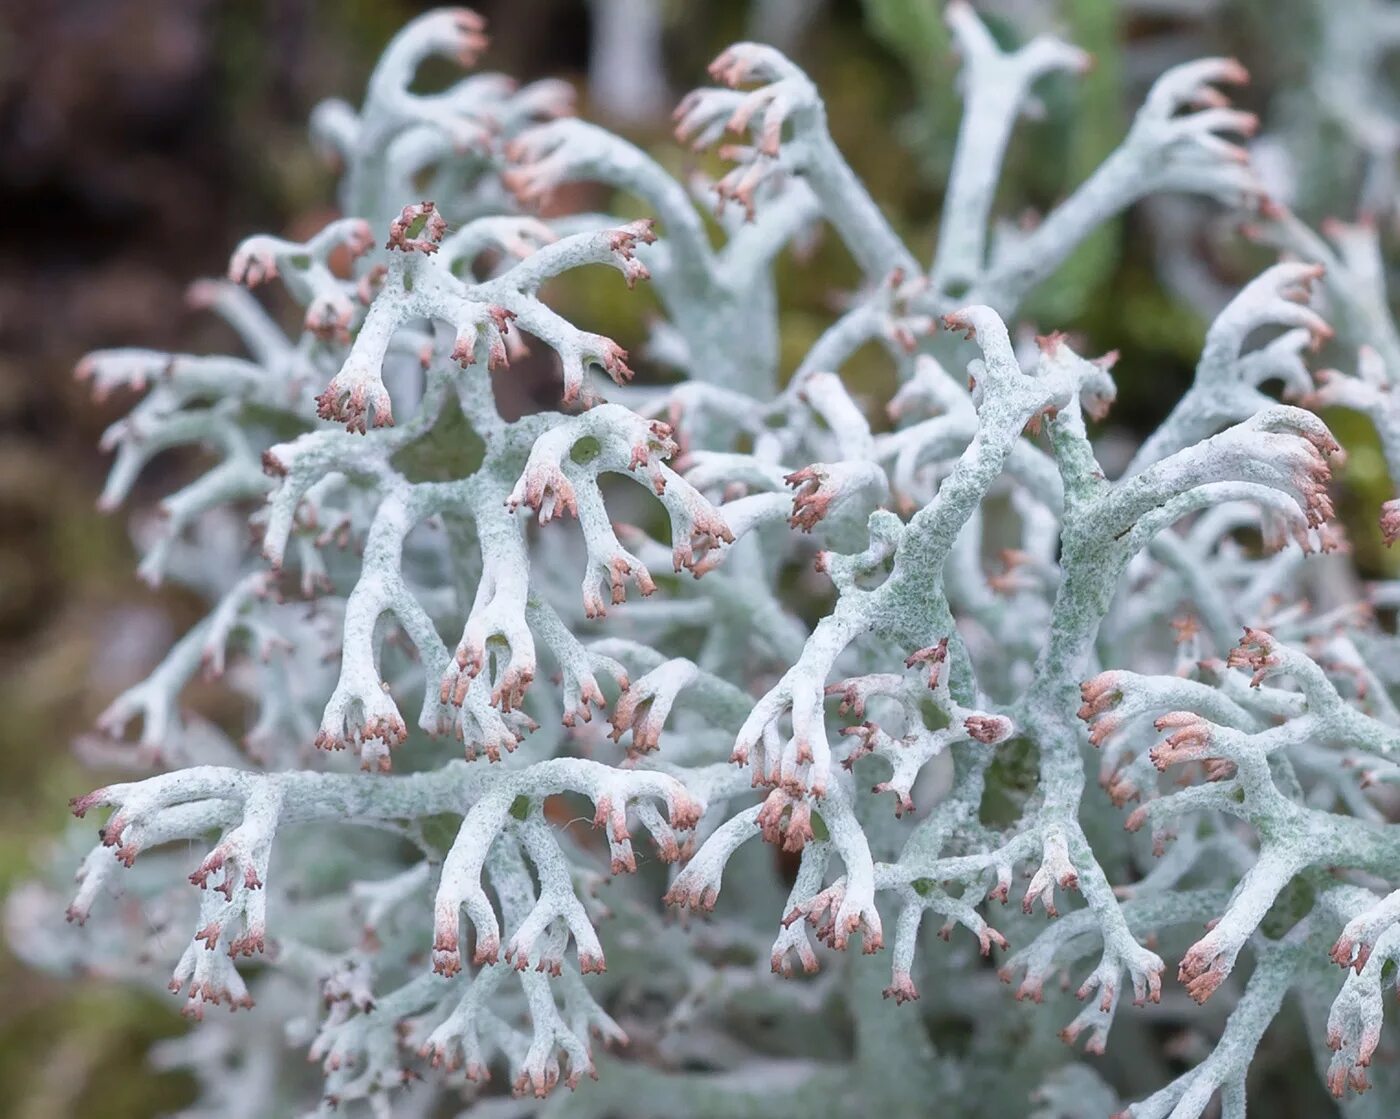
point(865, 673)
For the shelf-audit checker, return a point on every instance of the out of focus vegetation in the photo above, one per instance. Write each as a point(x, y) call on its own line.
point(140, 139)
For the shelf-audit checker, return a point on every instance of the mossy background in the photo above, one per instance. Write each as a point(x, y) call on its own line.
point(140, 139)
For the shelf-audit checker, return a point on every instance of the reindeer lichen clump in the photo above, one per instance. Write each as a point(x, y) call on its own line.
point(911, 723)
